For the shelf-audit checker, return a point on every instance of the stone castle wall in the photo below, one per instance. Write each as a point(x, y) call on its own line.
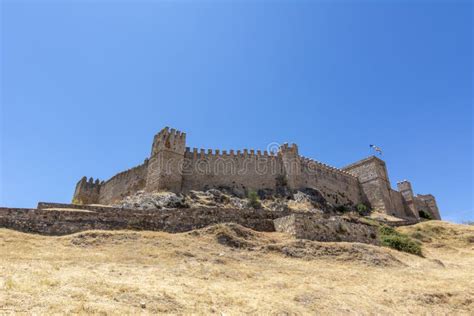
point(87, 192)
point(174, 167)
point(374, 181)
point(338, 186)
point(427, 203)
point(240, 171)
point(123, 184)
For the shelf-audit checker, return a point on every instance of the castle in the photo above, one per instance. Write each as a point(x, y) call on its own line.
point(174, 167)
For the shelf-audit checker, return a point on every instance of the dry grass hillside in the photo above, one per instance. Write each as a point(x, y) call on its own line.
point(228, 269)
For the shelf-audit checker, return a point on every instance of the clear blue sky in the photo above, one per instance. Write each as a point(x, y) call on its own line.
point(86, 84)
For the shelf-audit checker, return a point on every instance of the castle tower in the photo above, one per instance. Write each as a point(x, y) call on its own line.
point(291, 164)
point(430, 202)
point(87, 192)
point(404, 187)
point(166, 161)
point(373, 178)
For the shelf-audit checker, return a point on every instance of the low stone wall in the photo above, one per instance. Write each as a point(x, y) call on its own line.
point(406, 222)
point(304, 226)
point(96, 207)
point(66, 220)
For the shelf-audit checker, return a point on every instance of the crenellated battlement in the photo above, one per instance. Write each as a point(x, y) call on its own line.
point(174, 167)
point(217, 153)
point(287, 148)
point(308, 161)
point(87, 191)
point(126, 173)
point(169, 139)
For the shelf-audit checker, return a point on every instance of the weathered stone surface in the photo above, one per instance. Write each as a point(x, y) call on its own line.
point(59, 219)
point(305, 226)
point(313, 197)
point(150, 201)
point(174, 167)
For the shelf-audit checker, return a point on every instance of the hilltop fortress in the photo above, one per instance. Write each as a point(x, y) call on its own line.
point(174, 167)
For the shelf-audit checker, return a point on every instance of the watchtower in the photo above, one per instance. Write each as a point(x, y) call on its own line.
point(404, 187)
point(166, 161)
point(291, 164)
point(87, 192)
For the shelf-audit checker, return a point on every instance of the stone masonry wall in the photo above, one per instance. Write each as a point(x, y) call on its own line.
point(61, 221)
point(373, 178)
point(173, 167)
point(304, 226)
point(87, 192)
point(398, 204)
point(240, 170)
point(123, 184)
point(338, 187)
point(430, 205)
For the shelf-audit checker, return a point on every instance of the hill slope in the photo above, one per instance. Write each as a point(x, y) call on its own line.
point(229, 269)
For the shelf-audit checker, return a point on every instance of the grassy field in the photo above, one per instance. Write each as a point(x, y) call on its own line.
point(228, 270)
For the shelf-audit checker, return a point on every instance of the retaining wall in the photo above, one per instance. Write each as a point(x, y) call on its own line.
point(303, 226)
point(62, 220)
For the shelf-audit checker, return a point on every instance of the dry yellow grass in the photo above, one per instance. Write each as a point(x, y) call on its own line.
point(227, 269)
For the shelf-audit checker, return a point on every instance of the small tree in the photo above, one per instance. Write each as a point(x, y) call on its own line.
point(253, 200)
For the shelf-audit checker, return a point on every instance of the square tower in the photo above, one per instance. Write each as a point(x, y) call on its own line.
point(373, 178)
point(166, 161)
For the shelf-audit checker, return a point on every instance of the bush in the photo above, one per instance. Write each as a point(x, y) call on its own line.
point(253, 200)
point(362, 209)
point(77, 201)
point(425, 215)
point(393, 239)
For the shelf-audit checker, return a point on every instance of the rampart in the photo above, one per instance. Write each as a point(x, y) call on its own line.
point(338, 186)
point(124, 184)
point(239, 170)
point(174, 167)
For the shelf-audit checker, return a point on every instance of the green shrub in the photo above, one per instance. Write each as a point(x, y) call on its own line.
point(391, 238)
point(253, 200)
point(77, 201)
point(362, 209)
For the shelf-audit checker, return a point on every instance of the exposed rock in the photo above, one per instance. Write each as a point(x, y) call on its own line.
point(266, 194)
point(279, 206)
point(309, 199)
point(150, 201)
point(313, 197)
point(238, 203)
